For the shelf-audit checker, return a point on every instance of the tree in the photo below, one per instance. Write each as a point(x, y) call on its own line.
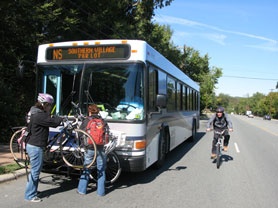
point(223, 100)
point(207, 88)
point(193, 64)
point(255, 104)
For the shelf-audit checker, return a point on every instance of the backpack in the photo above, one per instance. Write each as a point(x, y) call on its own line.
point(97, 128)
point(217, 123)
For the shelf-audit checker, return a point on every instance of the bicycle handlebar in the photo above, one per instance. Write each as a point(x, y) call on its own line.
point(111, 145)
point(78, 117)
point(74, 104)
point(230, 130)
point(220, 132)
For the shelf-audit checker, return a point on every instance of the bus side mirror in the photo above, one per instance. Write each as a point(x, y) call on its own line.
point(161, 101)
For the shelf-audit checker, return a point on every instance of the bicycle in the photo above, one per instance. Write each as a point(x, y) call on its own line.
point(70, 143)
point(113, 166)
point(17, 146)
point(219, 146)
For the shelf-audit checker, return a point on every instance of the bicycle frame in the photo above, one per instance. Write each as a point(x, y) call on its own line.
point(219, 146)
point(113, 167)
point(54, 145)
point(70, 143)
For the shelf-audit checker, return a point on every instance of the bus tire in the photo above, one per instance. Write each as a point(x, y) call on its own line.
point(194, 131)
point(162, 148)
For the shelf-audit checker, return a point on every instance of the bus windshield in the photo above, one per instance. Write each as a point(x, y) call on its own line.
point(116, 88)
point(62, 82)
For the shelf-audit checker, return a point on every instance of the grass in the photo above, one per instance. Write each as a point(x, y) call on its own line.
point(9, 168)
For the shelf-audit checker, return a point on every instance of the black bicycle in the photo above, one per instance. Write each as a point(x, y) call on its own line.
point(113, 167)
point(68, 147)
point(70, 144)
point(219, 146)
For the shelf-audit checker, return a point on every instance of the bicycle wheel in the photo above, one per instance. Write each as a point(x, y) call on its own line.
point(17, 148)
point(112, 171)
point(52, 159)
point(52, 155)
point(218, 155)
point(73, 147)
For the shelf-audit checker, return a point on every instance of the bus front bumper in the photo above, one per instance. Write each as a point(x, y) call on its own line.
point(132, 163)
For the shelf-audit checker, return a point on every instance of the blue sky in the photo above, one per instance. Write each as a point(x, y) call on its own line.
point(239, 36)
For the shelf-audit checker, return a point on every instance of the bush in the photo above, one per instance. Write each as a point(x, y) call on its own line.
point(9, 168)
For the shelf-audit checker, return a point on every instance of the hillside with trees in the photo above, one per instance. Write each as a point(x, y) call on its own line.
point(258, 103)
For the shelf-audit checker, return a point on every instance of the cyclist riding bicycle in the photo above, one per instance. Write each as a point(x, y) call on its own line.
point(220, 122)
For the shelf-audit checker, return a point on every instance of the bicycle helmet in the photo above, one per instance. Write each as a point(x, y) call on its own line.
point(220, 110)
point(45, 98)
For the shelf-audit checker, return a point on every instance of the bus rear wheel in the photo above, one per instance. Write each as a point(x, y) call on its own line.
point(194, 132)
point(162, 149)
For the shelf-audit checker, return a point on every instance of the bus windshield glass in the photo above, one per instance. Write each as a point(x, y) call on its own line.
point(117, 89)
point(62, 82)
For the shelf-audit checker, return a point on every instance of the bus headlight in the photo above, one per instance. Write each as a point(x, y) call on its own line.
point(140, 145)
point(130, 145)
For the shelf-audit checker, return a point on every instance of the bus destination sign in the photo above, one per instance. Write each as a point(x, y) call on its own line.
point(118, 51)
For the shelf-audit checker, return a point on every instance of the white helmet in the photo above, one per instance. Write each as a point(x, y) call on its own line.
point(45, 98)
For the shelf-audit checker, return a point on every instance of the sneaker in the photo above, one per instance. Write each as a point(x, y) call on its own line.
point(36, 199)
point(225, 149)
point(80, 193)
point(213, 156)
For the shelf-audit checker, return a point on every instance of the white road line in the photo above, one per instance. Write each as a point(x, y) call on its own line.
point(237, 149)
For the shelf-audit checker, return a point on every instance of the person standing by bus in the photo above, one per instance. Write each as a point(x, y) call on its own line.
point(40, 121)
point(89, 154)
point(220, 122)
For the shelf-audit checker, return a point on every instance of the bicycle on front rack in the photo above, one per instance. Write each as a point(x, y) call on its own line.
point(69, 143)
point(113, 166)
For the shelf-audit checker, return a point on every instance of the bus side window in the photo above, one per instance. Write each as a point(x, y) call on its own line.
point(152, 88)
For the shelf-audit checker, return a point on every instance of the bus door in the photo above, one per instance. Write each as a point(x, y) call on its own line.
point(52, 85)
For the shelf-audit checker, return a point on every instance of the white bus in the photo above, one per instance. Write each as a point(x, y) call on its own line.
point(150, 104)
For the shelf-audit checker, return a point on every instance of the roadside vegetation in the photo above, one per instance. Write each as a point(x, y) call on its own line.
point(9, 168)
point(258, 103)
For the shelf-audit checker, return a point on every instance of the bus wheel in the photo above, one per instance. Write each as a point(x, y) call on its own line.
point(162, 149)
point(194, 131)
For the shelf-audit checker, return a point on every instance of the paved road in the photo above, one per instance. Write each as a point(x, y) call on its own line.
point(246, 178)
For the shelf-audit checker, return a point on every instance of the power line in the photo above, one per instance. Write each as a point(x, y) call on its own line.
point(240, 77)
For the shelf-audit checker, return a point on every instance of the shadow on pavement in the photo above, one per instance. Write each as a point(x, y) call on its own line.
point(129, 179)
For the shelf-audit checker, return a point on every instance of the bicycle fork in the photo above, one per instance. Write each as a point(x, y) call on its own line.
point(218, 152)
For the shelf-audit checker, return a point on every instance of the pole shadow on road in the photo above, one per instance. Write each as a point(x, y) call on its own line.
point(128, 179)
